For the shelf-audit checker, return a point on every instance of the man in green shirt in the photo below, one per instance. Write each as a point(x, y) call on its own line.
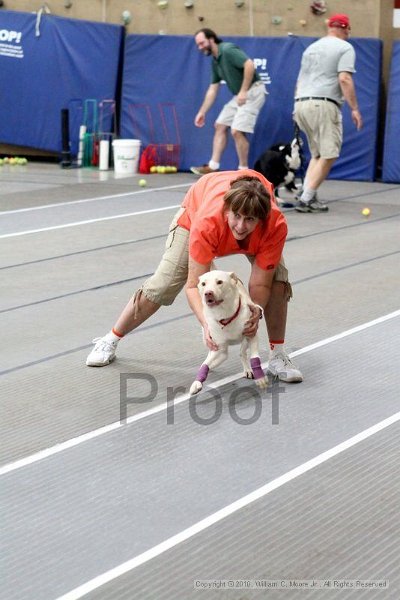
point(232, 65)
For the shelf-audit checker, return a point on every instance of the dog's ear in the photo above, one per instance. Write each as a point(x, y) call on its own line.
point(235, 278)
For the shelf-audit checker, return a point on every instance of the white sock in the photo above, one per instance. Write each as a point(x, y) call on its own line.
point(241, 167)
point(111, 337)
point(213, 165)
point(307, 195)
point(275, 349)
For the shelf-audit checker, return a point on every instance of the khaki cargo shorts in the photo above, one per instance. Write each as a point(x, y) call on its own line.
point(321, 121)
point(244, 117)
point(172, 272)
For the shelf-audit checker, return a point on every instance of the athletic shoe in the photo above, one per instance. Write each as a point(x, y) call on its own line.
point(298, 196)
point(102, 354)
point(204, 170)
point(282, 367)
point(314, 206)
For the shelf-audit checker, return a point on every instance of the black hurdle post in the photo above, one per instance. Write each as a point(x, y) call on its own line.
point(65, 141)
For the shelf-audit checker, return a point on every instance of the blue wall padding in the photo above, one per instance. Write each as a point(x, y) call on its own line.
point(391, 152)
point(40, 75)
point(170, 69)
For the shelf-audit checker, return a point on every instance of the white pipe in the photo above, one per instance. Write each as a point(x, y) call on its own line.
point(251, 18)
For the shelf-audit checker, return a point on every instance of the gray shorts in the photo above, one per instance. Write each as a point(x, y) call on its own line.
point(321, 121)
point(243, 118)
point(172, 272)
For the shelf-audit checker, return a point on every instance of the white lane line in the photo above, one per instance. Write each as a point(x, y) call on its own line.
point(76, 223)
point(346, 333)
point(214, 518)
point(110, 197)
point(34, 458)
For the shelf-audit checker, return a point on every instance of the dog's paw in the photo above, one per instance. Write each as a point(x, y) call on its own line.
point(262, 383)
point(248, 374)
point(195, 387)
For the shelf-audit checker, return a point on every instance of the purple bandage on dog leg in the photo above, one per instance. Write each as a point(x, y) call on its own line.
point(255, 364)
point(202, 373)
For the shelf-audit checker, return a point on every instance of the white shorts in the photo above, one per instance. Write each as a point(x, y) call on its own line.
point(244, 117)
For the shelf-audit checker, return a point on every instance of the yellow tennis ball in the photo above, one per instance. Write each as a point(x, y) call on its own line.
point(153, 169)
point(142, 182)
point(366, 212)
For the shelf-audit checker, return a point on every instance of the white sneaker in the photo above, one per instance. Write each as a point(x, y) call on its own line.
point(102, 354)
point(282, 367)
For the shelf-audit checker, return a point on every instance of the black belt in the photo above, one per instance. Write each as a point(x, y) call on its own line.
point(318, 98)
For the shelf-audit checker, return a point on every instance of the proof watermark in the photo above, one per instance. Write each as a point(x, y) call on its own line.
point(291, 584)
point(210, 399)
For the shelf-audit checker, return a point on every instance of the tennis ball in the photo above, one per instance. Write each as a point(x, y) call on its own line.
point(161, 170)
point(153, 169)
point(6, 160)
point(142, 182)
point(12, 161)
point(174, 169)
point(366, 212)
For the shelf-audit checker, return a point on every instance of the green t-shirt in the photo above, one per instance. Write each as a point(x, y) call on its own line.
point(229, 66)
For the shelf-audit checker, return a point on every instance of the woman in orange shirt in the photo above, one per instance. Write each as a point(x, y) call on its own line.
point(223, 213)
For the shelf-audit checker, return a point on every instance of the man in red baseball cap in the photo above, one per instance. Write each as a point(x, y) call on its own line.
point(324, 83)
point(341, 21)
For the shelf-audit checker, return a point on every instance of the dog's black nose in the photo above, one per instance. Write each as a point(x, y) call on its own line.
point(209, 296)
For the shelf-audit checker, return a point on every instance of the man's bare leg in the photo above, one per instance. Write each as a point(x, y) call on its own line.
point(242, 147)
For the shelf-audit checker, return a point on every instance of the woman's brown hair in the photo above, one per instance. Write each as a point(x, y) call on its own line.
point(248, 196)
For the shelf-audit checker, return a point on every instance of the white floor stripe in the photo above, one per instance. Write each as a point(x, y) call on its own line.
point(110, 197)
point(33, 458)
point(200, 526)
point(346, 333)
point(75, 224)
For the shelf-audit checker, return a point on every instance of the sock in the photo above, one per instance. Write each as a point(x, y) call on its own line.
point(114, 335)
point(276, 346)
point(307, 195)
point(213, 165)
point(241, 167)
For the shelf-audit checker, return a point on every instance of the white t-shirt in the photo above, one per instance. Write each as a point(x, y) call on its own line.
point(320, 64)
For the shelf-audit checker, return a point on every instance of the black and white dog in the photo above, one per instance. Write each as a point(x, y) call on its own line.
point(280, 163)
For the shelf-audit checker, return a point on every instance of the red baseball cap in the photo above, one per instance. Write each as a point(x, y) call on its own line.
point(339, 21)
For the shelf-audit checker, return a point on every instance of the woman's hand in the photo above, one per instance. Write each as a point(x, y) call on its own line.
point(251, 325)
point(211, 345)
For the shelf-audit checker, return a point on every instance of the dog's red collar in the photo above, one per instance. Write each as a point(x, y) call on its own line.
point(225, 322)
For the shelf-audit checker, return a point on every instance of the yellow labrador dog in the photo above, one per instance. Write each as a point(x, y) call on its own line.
point(226, 306)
